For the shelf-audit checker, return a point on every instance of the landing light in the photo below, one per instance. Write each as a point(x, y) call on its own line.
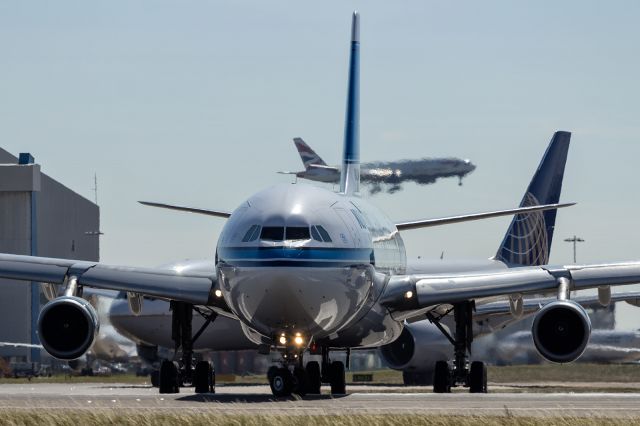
point(408, 294)
point(283, 340)
point(218, 293)
point(298, 340)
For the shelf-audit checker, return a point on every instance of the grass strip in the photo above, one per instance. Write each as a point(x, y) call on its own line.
point(75, 418)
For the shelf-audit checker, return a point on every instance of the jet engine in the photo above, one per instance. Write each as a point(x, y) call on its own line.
point(561, 331)
point(417, 349)
point(67, 327)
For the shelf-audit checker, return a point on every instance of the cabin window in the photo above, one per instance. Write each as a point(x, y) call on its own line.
point(324, 234)
point(297, 233)
point(272, 233)
point(252, 234)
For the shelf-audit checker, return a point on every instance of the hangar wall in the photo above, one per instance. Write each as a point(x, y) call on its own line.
point(38, 216)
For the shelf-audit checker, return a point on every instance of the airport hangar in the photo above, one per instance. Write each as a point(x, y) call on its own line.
point(38, 216)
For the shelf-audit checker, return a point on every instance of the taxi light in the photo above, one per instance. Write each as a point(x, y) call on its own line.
point(283, 340)
point(408, 294)
point(298, 340)
point(218, 293)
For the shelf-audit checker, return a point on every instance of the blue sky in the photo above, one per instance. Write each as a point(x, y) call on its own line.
point(197, 102)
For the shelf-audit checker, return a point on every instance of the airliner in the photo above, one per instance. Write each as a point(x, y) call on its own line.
point(376, 174)
point(307, 270)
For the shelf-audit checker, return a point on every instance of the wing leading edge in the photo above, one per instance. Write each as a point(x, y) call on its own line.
point(424, 223)
point(217, 213)
point(415, 292)
point(196, 288)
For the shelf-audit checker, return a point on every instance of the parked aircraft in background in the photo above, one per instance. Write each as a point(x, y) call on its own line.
point(605, 346)
point(307, 270)
point(422, 344)
point(392, 174)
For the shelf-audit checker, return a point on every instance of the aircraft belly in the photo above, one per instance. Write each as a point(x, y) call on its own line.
point(153, 327)
point(374, 329)
point(316, 301)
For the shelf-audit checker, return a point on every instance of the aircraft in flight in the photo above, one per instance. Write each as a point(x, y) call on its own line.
point(376, 174)
point(308, 270)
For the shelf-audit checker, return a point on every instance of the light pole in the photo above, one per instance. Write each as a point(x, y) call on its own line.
point(574, 240)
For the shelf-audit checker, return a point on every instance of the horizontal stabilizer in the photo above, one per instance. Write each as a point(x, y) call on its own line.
point(324, 167)
point(216, 213)
point(403, 226)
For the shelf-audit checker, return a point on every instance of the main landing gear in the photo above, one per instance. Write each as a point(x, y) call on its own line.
point(459, 372)
point(186, 372)
point(293, 377)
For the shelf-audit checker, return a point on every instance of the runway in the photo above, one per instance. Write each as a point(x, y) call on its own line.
point(258, 400)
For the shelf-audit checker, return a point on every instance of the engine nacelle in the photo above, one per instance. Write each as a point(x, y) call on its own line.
point(561, 331)
point(67, 327)
point(417, 349)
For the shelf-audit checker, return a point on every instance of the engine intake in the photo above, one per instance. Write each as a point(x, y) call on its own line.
point(561, 331)
point(419, 346)
point(67, 327)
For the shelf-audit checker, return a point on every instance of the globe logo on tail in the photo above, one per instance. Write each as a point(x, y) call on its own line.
point(527, 242)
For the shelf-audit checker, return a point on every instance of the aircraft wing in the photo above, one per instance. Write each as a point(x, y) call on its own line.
point(406, 293)
point(424, 223)
point(19, 345)
point(196, 288)
point(207, 212)
point(533, 304)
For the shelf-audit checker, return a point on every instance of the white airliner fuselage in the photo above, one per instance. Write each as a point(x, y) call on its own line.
point(300, 259)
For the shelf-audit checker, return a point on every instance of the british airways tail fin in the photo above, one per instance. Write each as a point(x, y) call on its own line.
point(350, 174)
point(307, 155)
point(528, 239)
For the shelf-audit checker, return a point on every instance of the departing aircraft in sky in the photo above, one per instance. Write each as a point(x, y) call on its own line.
point(307, 270)
point(376, 174)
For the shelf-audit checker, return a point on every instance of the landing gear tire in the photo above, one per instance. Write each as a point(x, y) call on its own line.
point(313, 377)
point(155, 378)
point(442, 378)
point(300, 381)
point(203, 378)
point(280, 381)
point(338, 382)
point(168, 377)
point(478, 377)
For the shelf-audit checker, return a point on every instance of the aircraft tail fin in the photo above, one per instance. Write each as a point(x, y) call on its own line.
point(350, 173)
point(528, 239)
point(307, 155)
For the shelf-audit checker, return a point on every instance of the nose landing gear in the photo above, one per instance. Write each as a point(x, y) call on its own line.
point(307, 380)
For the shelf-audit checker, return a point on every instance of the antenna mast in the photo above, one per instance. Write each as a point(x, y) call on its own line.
point(95, 187)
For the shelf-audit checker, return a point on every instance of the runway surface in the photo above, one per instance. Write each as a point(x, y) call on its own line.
point(258, 400)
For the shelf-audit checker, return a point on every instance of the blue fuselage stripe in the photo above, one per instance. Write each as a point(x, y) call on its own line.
point(294, 256)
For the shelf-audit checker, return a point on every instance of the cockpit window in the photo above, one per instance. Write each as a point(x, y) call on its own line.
point(252, 234)
point(360, 220)
point(272, 233)
point(325, 235)
point(297, 233)
point(314, 233)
